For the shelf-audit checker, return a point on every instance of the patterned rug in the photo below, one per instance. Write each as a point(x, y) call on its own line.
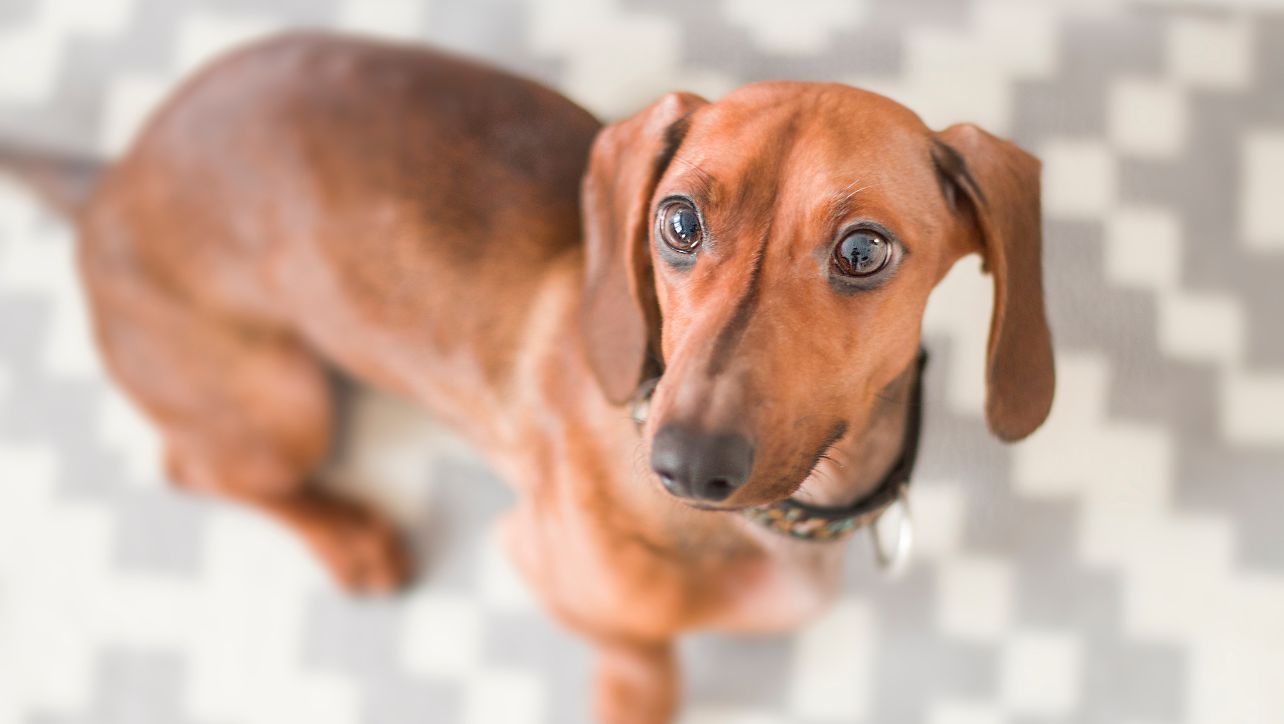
point(1123, 565)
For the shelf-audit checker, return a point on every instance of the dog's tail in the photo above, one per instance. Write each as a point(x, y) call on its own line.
point(64, 181)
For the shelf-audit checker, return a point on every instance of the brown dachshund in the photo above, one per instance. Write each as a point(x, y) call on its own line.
point(483, 245)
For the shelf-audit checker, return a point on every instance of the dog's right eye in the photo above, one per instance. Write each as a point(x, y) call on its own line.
point(680, 226)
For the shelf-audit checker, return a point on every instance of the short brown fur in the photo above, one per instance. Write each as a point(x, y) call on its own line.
point(415, 220)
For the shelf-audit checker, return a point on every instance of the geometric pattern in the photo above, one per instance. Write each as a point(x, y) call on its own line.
point(1124, 564)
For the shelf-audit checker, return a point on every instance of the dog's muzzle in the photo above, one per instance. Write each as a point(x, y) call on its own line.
point(885, 512)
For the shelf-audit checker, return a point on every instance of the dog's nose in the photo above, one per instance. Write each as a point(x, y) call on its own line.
point(700, 465)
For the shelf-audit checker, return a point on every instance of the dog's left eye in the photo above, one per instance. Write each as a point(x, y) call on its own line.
point(680, 226)
point(862, 253)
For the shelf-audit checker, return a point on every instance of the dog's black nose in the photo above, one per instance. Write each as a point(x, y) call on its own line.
point(700, 465)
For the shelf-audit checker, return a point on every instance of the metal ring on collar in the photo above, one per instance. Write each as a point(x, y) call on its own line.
point(893, 558)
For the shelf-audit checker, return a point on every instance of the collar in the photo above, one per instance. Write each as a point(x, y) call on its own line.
point(803, 521)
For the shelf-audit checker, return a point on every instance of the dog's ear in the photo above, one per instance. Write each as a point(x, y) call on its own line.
point(996, 185)
point(620, 316)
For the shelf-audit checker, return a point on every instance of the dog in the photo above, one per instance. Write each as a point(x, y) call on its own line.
point(677, 336)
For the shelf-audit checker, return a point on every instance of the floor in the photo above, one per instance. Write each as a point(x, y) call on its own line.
point(1123, 565)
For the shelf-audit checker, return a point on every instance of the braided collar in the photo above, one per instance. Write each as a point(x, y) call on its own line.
point(804, 521)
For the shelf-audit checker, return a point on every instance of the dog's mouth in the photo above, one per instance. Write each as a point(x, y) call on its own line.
point(819, 456)
point(790, 486)
point(785, 486)
point(712, 508)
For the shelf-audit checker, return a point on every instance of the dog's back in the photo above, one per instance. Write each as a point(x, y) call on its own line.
point(310, 200)
point(368, 196)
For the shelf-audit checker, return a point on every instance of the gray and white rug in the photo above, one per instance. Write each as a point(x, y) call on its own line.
point(1124, 565)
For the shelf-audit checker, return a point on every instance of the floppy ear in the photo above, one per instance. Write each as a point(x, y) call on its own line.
point(620, 316)
point(996, 184)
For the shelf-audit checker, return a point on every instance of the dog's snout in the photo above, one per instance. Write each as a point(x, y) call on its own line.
point(700, 465)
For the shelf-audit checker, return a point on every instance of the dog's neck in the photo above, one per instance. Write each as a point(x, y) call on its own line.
point(861, 461)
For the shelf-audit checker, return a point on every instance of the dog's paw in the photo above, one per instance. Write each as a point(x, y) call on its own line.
point(361, 548)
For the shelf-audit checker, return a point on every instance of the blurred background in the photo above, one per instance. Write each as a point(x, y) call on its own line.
point(1123, 565)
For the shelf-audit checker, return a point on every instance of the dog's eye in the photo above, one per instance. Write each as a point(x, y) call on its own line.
point(861, 253)
point(680, 226)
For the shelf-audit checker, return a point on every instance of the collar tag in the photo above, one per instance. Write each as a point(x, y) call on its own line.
point(892, 535)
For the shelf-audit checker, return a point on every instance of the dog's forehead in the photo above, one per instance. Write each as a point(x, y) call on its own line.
point(814, 110)
point(832, 131)
point(803, 148)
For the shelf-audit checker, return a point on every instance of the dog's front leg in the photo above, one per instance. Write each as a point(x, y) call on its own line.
point(636, 676)
point(636, 682)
